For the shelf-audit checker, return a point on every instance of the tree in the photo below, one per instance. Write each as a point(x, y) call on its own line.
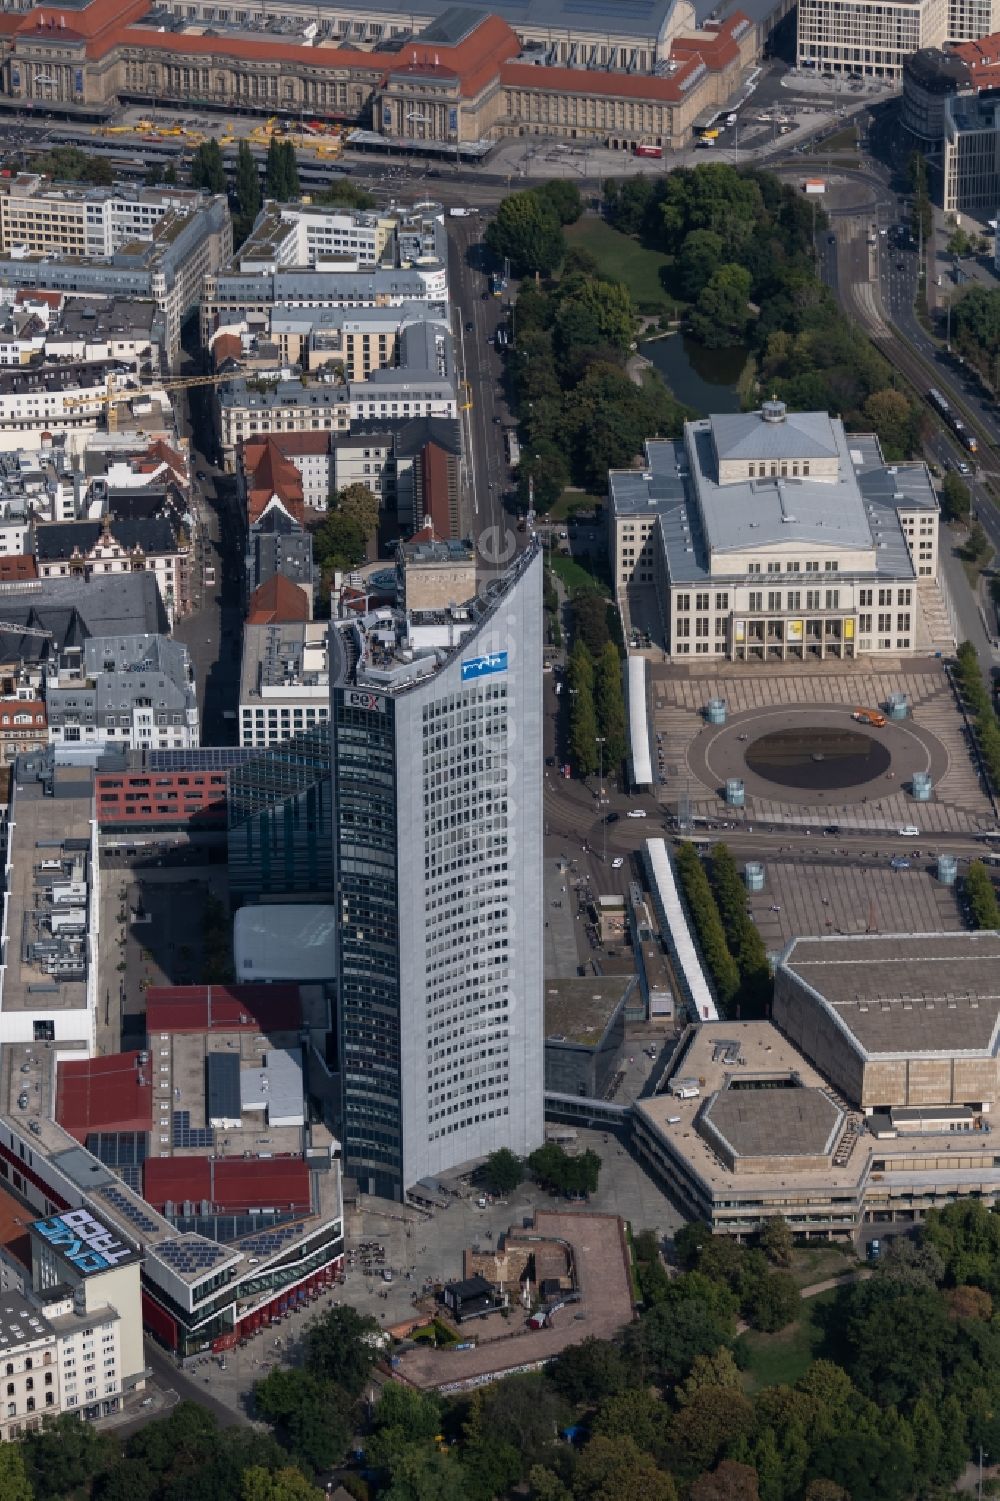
point(403, 1417)
point(718, 1369)
point(590, 623)
point(342, 1345)
point(720, 314)
point(956, 501)
point(288, 1484)
point(582, 739)
point(525, 1412)
point(526, 232)
point(426, 1475)
point(891, 415)
point(207, 169)
point(977, 545)
point(63, 1456)
point(341, 191)
point(617, 1470)
point(868, 1468)
point(666, 1341)
point(981, 897)
point(14, 1484)
point(636, 1413)
point(545, 1486)
point(542, 477)
point(248, 194)
point(589, 1371)
point(715, 1417)
point(700, 257)
point(773, 1302)
point(563, 198)
point(339, 541)
point(609, 700)
point(503, 1171)
point(310, 1413)
point(290, 170)
point(729, 1481)
point(912, 1263)
point(358, 503)
point(70, 164)
point(274, 170)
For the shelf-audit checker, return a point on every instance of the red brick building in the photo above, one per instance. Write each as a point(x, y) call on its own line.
point(161, 799)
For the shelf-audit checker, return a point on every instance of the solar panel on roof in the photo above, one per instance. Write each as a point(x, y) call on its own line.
point(129, 1210)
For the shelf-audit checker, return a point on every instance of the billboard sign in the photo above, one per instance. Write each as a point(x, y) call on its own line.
point(484, 667)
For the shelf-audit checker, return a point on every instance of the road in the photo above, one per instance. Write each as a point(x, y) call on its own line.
point(212, 631)
point(475, 320)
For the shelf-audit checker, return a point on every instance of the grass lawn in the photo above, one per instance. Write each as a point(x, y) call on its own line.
point(574, 576)
point(573, 500)
point(624, 259)
point(777, 1359)
point(842, 140)
point(812, 1264)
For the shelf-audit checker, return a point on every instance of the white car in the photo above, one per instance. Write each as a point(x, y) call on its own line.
point(636, 813)
point(617, 862)
point(909, 831)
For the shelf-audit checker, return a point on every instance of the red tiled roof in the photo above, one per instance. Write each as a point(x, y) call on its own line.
point(233, 1184)
point(226, 347)
point(270, 473)
point(104, 1094)
point(982, 58)
point(437, 490)
point(276, 602)
point(223, 1008)
point(17, 566)
point(14, 1220)
point(25, 295)
point(161, 452)
point(11, 706)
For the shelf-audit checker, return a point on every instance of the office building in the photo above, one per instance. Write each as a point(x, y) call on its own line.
point(868, 1099)
point(278, 805)
point(421, 382)
point(950, 109)
point(869, 38)
point(775, 536)
point(163, 790)
point(129, 691)
point(437, 827)
point(284, 682)
point(154, 244)
point(156, 544)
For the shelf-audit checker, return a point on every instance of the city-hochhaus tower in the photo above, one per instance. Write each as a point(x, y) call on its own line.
point(436, 724)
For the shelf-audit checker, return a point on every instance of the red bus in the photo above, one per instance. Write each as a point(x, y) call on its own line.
point(646, 148)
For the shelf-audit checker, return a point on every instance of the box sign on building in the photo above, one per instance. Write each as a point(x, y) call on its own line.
point(87, 1245)
point(484, 667)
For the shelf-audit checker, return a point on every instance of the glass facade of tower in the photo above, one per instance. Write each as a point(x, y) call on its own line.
point(280, 828)
point(369, 959)
point(437, 820)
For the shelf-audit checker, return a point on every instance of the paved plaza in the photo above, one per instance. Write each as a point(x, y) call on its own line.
point(698, 757)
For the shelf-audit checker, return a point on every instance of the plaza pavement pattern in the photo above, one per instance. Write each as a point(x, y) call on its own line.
point(755, 698)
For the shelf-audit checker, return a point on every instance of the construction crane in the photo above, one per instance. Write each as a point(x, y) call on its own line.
point(112, 394)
